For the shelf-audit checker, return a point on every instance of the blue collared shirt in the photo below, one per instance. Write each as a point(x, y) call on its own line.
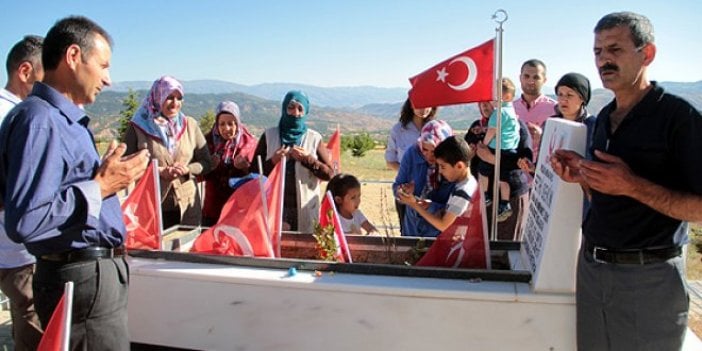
point(47, 164)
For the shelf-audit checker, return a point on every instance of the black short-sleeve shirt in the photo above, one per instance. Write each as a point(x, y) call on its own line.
point(661, 140)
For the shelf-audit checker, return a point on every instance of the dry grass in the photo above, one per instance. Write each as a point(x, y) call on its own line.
point(694, 253)
point(694, 271)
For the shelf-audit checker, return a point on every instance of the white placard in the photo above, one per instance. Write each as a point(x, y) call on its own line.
point(551, 233)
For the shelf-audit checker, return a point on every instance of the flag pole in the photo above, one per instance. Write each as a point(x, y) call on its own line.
point(157, 197)
point(280, 209)
point(500, 16)
point(68, 317)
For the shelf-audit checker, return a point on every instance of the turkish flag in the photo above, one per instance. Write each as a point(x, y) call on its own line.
point(57, 333)
point(142, 212)
point(466, 77)
point(329, 216)
point(334, 147)
point(465, 243)
point(244, 228)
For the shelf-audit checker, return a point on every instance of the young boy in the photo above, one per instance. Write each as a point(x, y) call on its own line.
point(453, 157)
point(510, 140)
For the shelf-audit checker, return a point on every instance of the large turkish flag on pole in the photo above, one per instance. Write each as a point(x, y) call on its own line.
point(466, 77)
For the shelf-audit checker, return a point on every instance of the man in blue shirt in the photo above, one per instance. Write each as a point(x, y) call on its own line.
point(645, 185)
point(60, 197)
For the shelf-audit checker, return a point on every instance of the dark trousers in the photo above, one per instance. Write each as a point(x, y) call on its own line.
point(16, 283)
point(99, 300)
point(631, 307)
point(401, 209)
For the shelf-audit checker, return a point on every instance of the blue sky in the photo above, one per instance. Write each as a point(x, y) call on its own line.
point(352, 43)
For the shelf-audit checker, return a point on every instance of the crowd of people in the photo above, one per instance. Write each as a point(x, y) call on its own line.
point(62, 220)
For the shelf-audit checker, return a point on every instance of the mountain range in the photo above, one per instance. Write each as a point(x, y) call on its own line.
point(353, 109)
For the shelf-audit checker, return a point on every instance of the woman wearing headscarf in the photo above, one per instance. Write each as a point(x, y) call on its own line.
point(419, 175)
point(573, 94)
point(175, 140)
point(402, 135)
point(308, 162)
point(232, 147)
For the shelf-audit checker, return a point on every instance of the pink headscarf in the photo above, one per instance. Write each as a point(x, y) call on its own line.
point(243, 143)
point(434, 133)
point(160, 90)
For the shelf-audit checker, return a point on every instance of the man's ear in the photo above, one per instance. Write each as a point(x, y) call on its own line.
point(24, 71)
point(338, 199)
point(649, 52)
point(73, 56)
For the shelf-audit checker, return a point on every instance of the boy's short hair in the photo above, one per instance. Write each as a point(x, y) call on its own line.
point(341, 183)
point(508, 86)
point(453, 150)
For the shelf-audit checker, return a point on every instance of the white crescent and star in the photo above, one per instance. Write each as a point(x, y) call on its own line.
point(472, 68)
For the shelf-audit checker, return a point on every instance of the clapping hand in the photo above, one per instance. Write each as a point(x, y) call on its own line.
point(116, 172)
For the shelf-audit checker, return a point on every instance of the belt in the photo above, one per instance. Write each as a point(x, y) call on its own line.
point(86, 254)
point(640, 257)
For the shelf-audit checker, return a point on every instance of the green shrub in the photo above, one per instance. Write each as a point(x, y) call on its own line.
point(358, 144)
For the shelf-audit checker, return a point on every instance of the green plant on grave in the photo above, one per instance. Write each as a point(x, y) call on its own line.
point(326, 242)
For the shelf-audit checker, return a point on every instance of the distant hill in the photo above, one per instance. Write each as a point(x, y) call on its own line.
point(346, 97)
point(354, 109)
point(257, 113)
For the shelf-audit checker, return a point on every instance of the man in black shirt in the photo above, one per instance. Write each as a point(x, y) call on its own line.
point(645, 185)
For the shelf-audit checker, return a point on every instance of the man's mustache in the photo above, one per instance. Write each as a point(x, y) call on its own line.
point(608, 67)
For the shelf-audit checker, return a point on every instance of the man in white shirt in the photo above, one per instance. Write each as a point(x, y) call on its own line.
point(24, 67)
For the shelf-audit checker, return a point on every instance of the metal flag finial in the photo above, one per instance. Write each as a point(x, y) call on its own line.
point(500, 16)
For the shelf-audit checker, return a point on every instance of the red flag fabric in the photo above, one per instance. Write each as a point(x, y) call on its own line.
point(57, 333)
point(242, 229)
point(466, 77)
point(465, 243)
point(275, 187)
point(334, 147)
point(142, 212)
point(329, 216)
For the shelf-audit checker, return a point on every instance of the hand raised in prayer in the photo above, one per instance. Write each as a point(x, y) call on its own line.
point(566, 164)
point(241, 162)
point(610, 175)
point(279, 154)
point(297, 153)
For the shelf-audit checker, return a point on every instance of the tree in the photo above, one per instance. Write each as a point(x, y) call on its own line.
point(130, 105)
point(358, 144)
point(207, 121)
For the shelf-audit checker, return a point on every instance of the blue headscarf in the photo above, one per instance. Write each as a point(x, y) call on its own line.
point(293, 128)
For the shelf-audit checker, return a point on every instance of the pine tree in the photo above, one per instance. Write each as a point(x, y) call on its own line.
point(207, 121)
point(130, 104)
